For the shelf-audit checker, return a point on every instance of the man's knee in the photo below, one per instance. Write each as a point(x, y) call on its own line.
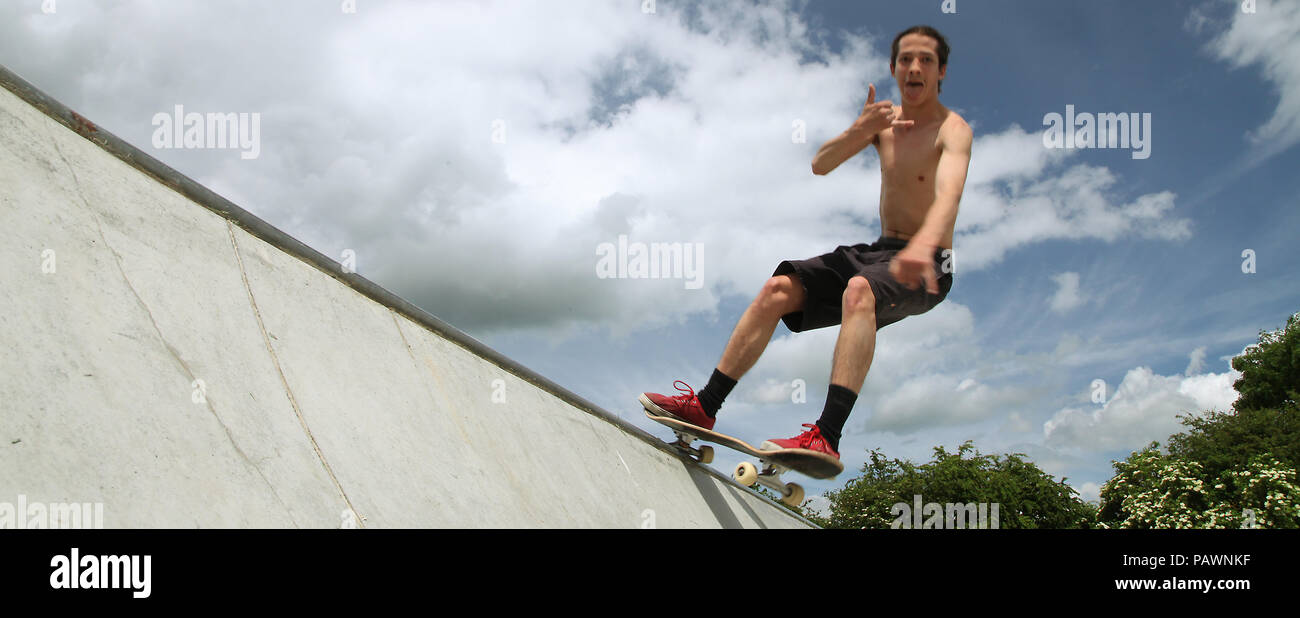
point(858, 298)
point(780, 295)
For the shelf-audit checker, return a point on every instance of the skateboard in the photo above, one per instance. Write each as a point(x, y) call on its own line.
point(771, 463)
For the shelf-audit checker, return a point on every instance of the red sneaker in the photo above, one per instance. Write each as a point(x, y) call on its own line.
point(681, 407)
point(811, 440)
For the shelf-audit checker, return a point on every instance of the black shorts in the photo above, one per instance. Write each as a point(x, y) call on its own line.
point(825, 278)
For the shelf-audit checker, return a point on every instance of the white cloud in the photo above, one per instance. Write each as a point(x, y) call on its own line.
point(1196, 362)
point(771, 391)
point(1004, 210)
point(1017, 424)
point(1269, 39)
point(1211, 391)
point(667, 127)
point(1089, 492)
point(931, 400)
point(1067, 295)
point(1144, 408)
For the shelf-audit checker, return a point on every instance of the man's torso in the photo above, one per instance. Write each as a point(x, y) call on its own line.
point(909, 162)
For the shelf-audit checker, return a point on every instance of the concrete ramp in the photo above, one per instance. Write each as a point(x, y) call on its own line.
point(177, 362)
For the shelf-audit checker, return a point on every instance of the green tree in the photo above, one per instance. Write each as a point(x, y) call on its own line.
point(1026, 496)
point(1223, 441)
point(1270, 369)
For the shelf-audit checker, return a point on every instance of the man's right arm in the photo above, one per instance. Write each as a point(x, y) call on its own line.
point(841, 149)
point(875, 117)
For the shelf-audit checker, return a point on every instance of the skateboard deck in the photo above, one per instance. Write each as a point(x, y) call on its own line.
point(814, 464)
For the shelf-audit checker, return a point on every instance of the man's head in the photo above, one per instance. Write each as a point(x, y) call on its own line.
point(919, 58)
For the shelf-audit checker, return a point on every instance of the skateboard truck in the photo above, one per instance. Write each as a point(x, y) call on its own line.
point(747, 474)
point(704, 453)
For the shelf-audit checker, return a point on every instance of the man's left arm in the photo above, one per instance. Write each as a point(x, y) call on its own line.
point(914, 265)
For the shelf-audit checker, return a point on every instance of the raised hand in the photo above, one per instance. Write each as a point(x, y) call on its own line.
point(877, 117)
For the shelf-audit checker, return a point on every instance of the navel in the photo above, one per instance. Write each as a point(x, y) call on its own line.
point(921, 178)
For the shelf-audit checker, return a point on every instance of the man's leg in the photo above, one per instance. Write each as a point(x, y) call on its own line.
point(856, 344)
point(780, 295)
point(854, 350)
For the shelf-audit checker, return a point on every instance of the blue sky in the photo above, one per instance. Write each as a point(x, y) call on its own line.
point(475, 155)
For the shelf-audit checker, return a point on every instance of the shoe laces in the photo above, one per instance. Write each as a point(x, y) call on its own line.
point(689, 393)
point(807, 438)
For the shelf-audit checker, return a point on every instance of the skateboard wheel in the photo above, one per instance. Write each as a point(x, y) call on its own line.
point(745, 473)
point(793, 494)
point(706, 454)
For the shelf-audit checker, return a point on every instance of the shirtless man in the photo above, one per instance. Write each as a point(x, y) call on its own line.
point(924, 152)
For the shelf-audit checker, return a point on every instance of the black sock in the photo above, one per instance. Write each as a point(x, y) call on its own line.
point(839, 402)
point(714, 392)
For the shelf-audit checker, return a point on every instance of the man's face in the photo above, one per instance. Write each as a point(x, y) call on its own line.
point(917, 68)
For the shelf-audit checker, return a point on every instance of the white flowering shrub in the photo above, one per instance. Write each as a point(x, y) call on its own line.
point(1154, 490)
point(1267, 487)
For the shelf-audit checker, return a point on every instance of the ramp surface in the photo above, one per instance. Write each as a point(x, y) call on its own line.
point(180, 362)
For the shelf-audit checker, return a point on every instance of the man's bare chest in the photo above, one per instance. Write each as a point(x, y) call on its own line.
point(909, 158)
